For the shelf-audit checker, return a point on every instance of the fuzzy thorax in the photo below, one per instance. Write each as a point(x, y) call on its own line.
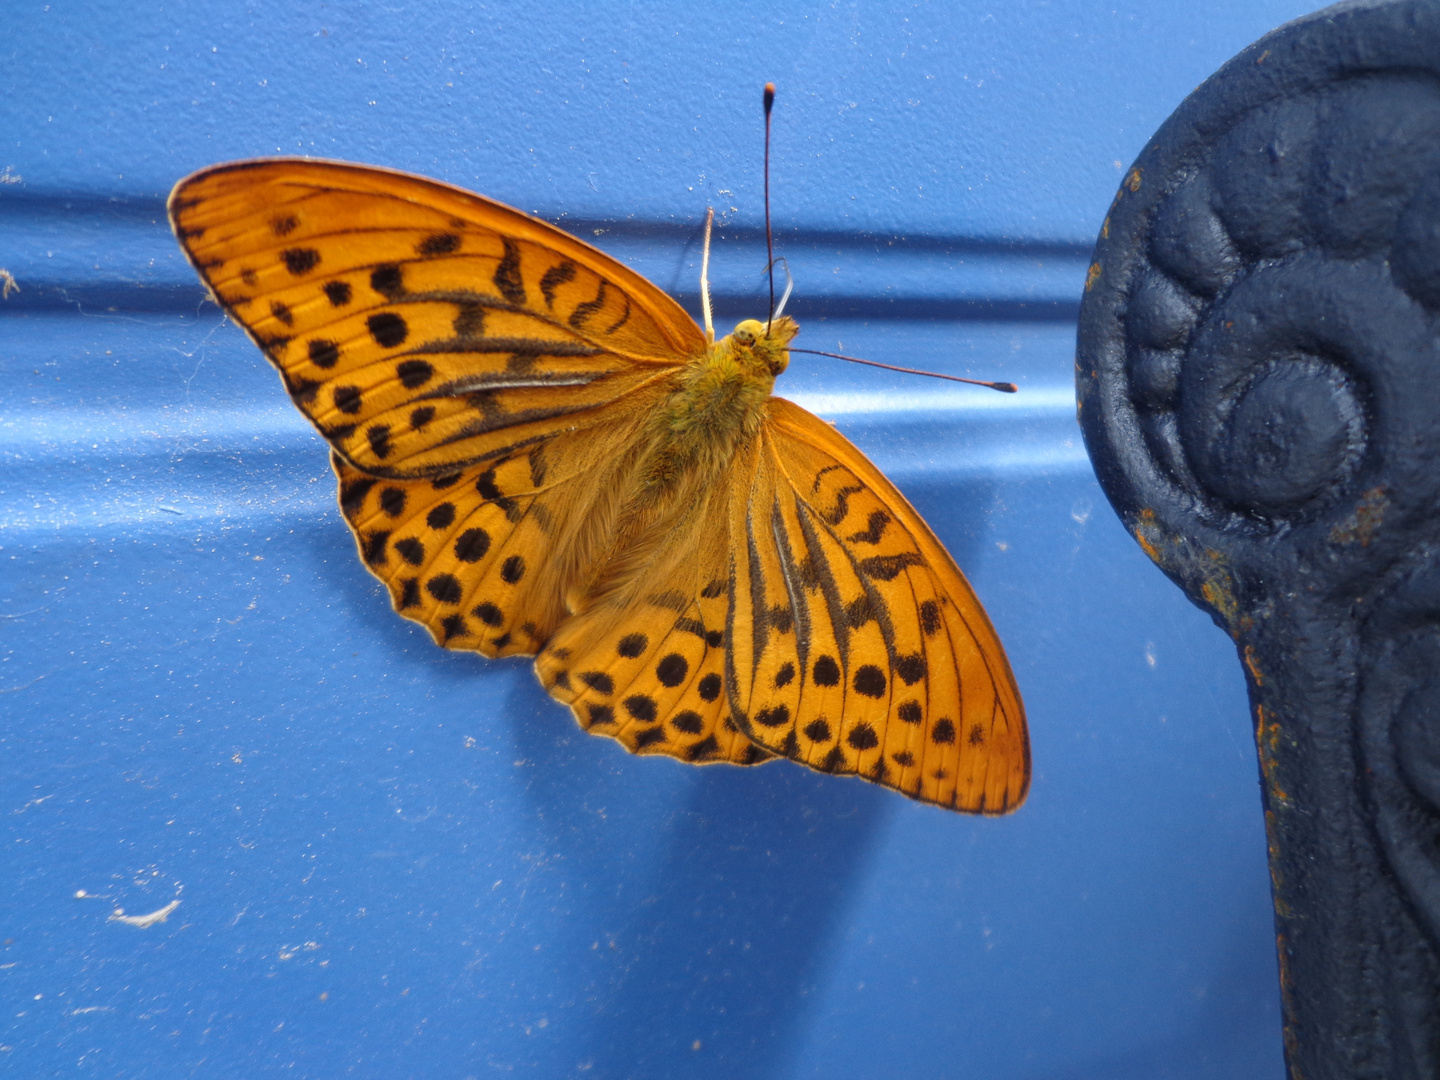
point(719, 400)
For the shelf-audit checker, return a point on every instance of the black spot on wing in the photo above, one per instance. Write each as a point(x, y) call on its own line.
point(672, 669)
point(438, 244)
point(388, 329)
point(282, 312)
point(445, 588)
point(374, 547)
point(337, 292)
point(690, 722)
point(818, 730)
point(707, 747)
point(352, 495)
point(641, 707)
point(598, 681)
point(414, 373)
point(388, 281)
point(489, 614)
point(862, 737)
point(709, 687)
point(649, 737)
point(632, 645)
point(929, 617)
point(392, 501)
point(441, 516)
point(347, 399)
point(472, 545)
point(773, 716)
point(911, 668)
point(944, 732)
point(324, 354)
point(300, 261)
point(870, 681)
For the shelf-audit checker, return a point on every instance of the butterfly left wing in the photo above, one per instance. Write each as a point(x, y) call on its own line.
point(420, 327)
point(475, 370)
point(854, 643)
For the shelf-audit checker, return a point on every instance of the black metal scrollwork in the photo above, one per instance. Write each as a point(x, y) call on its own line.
point(1259, 387)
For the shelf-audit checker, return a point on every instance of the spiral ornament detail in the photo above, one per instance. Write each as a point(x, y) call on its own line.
point(1258, 373)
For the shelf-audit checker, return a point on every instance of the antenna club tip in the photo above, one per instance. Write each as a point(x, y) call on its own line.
point(769, 96)
point(1006, 387)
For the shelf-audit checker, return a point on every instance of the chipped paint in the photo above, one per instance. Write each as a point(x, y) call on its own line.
point(1364, 520)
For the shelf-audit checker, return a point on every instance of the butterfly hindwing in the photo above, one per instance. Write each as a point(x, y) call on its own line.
point(651, 675)
point(857, 645)
point(421, 327)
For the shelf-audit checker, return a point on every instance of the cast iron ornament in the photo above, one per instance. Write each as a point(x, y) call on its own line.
point(1259, 386)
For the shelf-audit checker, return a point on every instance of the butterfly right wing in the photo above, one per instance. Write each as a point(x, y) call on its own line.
point(855, 645)
point(423, 328)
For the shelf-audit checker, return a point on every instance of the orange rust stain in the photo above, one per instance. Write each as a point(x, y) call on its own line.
point(1133, 180)
point(1261, 58)
point(1361, 525)
point(1249, 655)
point(1092, 276)
point(1147, 547)
point(1105, 228)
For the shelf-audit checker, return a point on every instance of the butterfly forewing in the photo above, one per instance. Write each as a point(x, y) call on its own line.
point(423, 328)
point(858, 647)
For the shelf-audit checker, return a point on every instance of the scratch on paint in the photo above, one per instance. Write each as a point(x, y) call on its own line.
point(143, 921)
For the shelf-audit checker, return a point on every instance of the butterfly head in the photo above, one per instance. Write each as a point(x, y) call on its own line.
point(768, 348)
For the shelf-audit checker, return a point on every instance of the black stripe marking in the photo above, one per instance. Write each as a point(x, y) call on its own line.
point(553, 278)
point(588, 308)
point(620, 321)
point(507, 275)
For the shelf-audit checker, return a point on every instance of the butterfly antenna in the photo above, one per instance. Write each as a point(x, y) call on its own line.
point(1003, 387)
point(789, 287)
point(705, 277)
point(769, 238)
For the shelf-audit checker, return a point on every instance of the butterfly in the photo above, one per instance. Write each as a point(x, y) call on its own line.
point(540, 453)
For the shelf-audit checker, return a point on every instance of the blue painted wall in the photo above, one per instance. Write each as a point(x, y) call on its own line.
point(394, 861)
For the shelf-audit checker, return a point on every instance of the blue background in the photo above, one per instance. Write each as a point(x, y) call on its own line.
point(394, 861)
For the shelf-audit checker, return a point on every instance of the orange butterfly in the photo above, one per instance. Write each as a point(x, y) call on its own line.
point(540, 453)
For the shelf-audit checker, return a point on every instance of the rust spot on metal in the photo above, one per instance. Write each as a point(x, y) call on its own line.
point(1249, 656)
point(1366, 518)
